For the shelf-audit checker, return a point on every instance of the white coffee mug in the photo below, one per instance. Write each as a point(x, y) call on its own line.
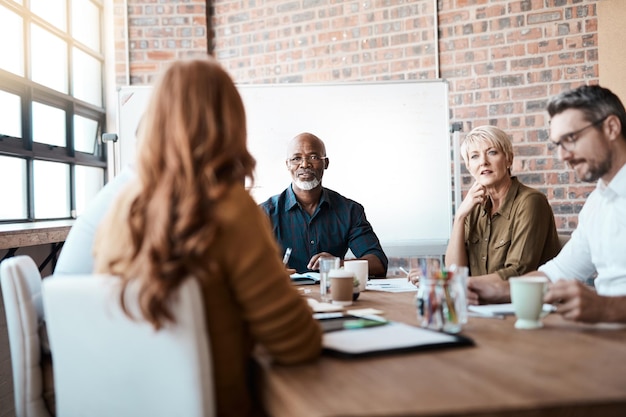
point(361, 271)
point(527, 298)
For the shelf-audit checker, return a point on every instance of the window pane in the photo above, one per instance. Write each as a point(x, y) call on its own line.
point(85, 134)
point(12, 56)
point(52, 196)
point(49, 58)
point(87, 82)
point(86, 23)
point(88, 181)
point(11, 111)
point(48, 125)
point(51, 10)
point(13, 206)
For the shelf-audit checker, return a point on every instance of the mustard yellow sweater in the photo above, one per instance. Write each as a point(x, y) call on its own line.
point(250, 300)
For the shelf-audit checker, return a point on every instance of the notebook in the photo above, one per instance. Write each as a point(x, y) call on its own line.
point(306, 278)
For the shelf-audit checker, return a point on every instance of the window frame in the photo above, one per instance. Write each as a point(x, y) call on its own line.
point(30, 91)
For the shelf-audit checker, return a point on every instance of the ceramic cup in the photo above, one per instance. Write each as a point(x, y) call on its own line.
point(527, 298)
point(361, 271)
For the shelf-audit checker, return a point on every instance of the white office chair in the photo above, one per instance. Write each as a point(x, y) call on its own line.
point(21, 292)
point(107, 364)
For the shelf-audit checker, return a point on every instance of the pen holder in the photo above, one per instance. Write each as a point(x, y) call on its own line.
point(441, 300)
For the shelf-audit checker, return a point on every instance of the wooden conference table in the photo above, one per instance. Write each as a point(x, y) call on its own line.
point(565, 369)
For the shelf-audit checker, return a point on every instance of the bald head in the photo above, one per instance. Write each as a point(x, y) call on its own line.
point(306, 141)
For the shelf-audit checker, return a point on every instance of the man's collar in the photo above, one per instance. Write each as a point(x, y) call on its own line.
point(291, 201)
point(617, 184)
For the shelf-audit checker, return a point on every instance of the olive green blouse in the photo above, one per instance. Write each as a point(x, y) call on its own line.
point(517, 239)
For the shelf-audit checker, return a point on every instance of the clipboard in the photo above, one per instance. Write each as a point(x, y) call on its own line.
point(394, 337)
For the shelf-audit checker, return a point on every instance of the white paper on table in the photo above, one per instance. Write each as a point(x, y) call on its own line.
point(319, 307)
point(502, 309)
point(391, 285)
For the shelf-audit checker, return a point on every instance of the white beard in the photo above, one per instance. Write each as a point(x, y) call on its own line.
point(307, 185)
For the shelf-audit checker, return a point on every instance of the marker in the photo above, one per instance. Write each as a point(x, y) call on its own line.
point(361, 323)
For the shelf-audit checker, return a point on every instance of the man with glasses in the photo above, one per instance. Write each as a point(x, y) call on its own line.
point(315, 221)
point(588, 125)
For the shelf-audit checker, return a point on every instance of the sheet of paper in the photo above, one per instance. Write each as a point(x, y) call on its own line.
point(364, 311)
point(502, 309)
point(319, 307)
point(390, 285)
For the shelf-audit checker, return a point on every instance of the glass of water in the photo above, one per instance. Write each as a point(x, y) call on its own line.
point(327, 263)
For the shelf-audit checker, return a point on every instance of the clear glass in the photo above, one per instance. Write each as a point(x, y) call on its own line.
point(88, 181)
point(53, 11)
point(441, 300)
point(87, 78)
point(49, 59)
point(48, 125)
point(421, 266)
point(52, 195)
point(11, 111)
point(326, 264)
point(12, 56)
point(86, 23)
point(14, 203)
point(85, 134)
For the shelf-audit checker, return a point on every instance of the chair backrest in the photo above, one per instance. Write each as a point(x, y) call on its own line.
point(107, 364)
point(21, 292)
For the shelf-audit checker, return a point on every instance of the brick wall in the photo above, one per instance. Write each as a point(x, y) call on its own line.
point(503, 58)
point(156, 33)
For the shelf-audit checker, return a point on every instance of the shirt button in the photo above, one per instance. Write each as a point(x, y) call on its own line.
point(486, 239)
point(483, 258)
point(312, 242)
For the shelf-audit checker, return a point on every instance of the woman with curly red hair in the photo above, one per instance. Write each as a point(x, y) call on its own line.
point(187, 215)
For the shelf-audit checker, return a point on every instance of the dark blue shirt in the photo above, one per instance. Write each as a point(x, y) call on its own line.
point(337, 224)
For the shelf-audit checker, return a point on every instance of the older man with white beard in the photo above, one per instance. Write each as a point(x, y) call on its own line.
point(315, 221)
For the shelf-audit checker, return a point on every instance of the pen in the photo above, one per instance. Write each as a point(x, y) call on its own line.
point(287, 255)
point(404, 270)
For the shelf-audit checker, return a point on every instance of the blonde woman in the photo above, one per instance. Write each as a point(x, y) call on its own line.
point(502, 228)
point(187, 215)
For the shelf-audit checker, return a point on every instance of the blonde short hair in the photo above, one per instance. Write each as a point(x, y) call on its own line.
point(487, 134)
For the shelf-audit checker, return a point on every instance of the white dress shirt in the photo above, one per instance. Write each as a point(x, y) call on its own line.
point(77, 253)
point(599, 242)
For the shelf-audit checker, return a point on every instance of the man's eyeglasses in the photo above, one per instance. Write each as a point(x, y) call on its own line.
point(313, 159)
point(568, 141)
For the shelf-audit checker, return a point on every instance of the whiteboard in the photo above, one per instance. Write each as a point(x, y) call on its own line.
point(388, 146)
